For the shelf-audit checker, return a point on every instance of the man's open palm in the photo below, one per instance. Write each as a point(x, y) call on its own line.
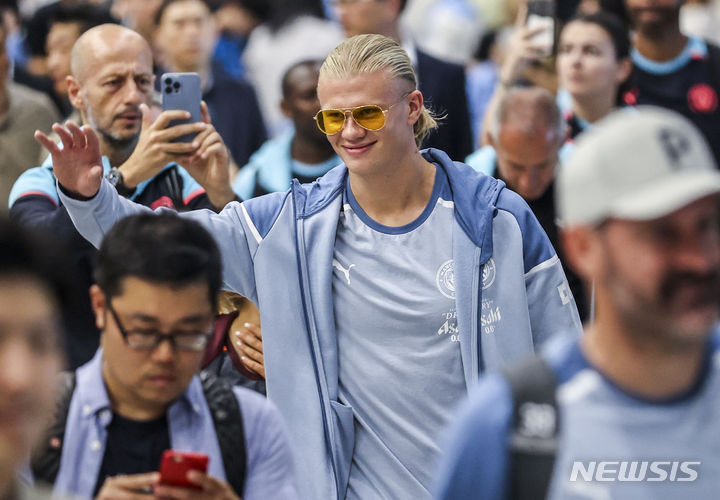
point(77, 164)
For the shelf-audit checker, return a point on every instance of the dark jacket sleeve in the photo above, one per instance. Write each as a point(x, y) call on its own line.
point(443, 87)
point(40, 213)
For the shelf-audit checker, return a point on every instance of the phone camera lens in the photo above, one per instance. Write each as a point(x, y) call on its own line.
point(168, 90)
point(168, 81)
point(176, 85)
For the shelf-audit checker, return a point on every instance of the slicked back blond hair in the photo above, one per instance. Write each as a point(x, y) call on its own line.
point(364, 54)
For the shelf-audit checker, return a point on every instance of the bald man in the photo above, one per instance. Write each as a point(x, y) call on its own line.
point(527, 141)
point(112, 87)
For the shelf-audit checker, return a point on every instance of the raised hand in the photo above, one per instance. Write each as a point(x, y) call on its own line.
point(523, 48)
point(155, 147)
point(209, 164)
point(78, 164)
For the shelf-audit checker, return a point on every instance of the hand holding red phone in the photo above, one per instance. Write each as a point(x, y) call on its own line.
point(131, 487)
point(206, 487)
point(183, 476)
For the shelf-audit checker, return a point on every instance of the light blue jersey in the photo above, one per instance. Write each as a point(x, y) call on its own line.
point(511, 295)
point(613, 444)
point(398, 343)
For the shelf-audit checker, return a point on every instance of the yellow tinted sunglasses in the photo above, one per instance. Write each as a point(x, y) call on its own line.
point(368, 116)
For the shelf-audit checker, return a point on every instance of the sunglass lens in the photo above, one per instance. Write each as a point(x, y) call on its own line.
point(370, 117)
point(330, 121)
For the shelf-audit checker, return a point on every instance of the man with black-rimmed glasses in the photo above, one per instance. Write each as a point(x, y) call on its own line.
point(157, 282)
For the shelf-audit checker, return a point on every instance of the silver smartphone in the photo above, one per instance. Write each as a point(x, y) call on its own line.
point(182, 91)
point(541, 15)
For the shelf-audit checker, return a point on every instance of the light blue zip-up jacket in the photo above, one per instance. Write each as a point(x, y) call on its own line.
point(511, 294)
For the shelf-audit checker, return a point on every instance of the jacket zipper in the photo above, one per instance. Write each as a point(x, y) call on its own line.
point(314, 340)
point(475, 339)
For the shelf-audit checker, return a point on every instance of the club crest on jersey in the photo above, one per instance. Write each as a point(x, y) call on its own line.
point(488, 274)
point(445, 279)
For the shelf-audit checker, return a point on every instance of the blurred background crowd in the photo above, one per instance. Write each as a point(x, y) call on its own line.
point(254, 42)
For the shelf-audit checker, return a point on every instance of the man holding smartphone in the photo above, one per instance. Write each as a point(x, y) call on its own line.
point(112, 87)
point(158, 280)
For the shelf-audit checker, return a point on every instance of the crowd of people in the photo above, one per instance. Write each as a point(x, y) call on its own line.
point(373, 268)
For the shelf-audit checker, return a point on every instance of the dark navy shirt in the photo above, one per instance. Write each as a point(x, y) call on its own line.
point(688, 84)
point(133, 447)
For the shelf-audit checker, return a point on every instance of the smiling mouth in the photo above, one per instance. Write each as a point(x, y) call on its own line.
point(359, 148)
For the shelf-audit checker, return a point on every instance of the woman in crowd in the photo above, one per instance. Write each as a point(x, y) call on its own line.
point(593, 62)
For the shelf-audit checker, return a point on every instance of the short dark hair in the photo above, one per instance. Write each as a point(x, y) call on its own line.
point(616, 29)
point(286, 84)
point(27, 254)
point(84, 15)
point(161, 249)
point(617, 8)
point(167, 3)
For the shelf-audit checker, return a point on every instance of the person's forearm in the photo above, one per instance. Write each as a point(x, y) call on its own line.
point(221, 197)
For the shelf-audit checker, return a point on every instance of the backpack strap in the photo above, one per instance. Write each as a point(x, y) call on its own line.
point(228, 422)
point(535, 426)
point(45, 459)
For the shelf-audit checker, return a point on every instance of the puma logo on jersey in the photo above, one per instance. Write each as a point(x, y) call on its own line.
point(339, 267)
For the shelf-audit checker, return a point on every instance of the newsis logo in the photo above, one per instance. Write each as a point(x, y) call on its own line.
point(629, 471)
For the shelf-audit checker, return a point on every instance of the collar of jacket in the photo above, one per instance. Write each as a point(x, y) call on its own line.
point(474, 195)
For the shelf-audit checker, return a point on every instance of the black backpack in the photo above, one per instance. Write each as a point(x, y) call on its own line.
point(535, 427)
point(224, 408)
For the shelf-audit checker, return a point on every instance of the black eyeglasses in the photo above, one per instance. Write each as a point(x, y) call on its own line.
point(146, 340)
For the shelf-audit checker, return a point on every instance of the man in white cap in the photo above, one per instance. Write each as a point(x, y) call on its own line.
point(632, 407)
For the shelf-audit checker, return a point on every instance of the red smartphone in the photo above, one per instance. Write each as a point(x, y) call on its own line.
point(176, 464)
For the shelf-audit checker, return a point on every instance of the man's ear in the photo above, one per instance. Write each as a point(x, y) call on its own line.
point(416, 101)
point(74, 91)
point(624, 69)
point(397, 9)
point(583, 250)
point(491, 141)
point(99, 306)
point(285, 108)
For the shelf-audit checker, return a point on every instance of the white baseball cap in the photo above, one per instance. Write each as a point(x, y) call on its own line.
point(637, 164)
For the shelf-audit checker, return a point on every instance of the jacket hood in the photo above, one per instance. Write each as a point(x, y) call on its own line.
point(474, 195)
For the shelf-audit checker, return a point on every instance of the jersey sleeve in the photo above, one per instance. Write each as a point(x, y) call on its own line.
point(551, 305)
point(233, 229)
point(38, 181)
point(193, 194)
point(269, 458)
point(475, 462)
